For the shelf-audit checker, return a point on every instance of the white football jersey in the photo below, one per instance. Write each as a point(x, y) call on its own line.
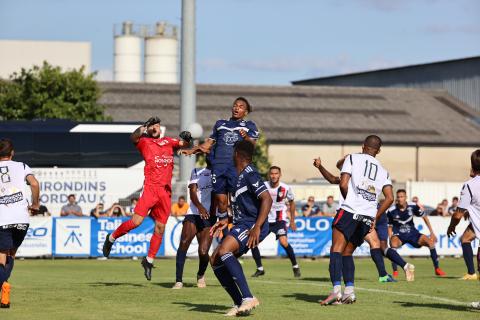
point(281, 195)
point(13, 195)
point(367, 179)
point(470, 200)
point(202, 177)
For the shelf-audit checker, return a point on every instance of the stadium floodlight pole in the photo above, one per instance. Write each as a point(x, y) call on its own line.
point(187, 81)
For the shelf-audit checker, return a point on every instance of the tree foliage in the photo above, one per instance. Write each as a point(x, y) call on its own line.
point(47, 92)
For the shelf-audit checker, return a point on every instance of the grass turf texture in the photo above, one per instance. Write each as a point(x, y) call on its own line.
point(117, 289)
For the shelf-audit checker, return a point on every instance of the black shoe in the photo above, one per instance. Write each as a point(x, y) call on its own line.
point(147, 266)
point(5, 306)
point(107, 246)
point(296, 272)
point(258, 273)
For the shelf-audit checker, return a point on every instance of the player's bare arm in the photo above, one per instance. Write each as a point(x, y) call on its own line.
point(193, 188)
point(344, 179)
point(137, 134)
point(201, 148)
point(317, 163)
point(291, 206)
point(35, 187)
point(218, 227)
point(429, 226)
point(245, 136)
point(340, 162)
point(388, 194)
point(455, 220)
point(265, 206)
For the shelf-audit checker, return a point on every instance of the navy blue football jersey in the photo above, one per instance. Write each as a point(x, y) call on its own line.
point(226, 133)
point(245, 202)
point(402, 220)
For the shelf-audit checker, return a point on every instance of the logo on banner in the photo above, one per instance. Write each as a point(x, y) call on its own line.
point(72, 236)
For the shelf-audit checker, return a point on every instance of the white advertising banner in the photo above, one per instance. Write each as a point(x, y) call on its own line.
point(72, 236)
point(38, 241)
point(90, 186)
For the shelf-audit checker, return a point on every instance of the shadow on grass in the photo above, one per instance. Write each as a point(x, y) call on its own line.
point(319, 279)
point(169, 285)
point(207, 308)
point(313, 298)
point(452, 307)
point(115, 284)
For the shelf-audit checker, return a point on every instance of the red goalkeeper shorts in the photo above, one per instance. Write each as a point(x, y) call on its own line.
point(155, 200)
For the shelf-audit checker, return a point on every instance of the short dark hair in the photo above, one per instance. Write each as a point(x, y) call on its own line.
point(245, 149)
point(249, 107)
point(70, 195)
point(402, 191)
point(475, 160)
point(134, 199)
point(275, 168)
point(330, 197)
point(6, 147)
point(455, 199)
point(181, 197)
point(373, 141)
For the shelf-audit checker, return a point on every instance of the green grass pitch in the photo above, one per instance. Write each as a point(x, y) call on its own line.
point(117, 289)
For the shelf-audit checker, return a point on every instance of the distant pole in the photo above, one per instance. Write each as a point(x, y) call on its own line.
point(187, 80)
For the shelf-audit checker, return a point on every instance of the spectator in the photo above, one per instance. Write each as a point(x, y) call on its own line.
point(98, 211)
point(329, 209)
point(180, 208)
point(417, 202)
point(71, 208)
point(453, 207)
point(116, 210)
point(310, 209)
point(444, 205)
point(129, 211)
point(42, 211)
point(438, 211)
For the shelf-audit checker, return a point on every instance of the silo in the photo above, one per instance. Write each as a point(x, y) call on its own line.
point(128, 54)
point(161, 55)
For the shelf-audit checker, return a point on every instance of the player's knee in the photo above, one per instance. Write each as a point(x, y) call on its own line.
point(159, 227)
point(202, 251)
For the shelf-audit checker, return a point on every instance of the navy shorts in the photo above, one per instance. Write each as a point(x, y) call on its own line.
point(382, 228)
point(279, 228)
point(240, 232)
point(410, 237)
point(224, 179)
point(12, 235)
point(353, 227)
point(199, 222)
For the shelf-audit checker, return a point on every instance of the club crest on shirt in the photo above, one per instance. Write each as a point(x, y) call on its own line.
point(230, 138)
point(243, 124)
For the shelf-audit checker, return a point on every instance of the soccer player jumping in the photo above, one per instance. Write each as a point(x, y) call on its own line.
point(157, 189)
point(250, 205)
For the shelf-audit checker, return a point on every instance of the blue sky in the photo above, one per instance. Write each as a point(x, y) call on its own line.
point(267, 41)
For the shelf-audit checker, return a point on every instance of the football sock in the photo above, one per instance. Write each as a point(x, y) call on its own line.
point(155, 243)
point(236, 271)
point(394, 266)
point(478, 259)
point(335, 268)
point(396, 259)
point(256, 256)
point(468, 257)
point(203, 260)
point(291, 254)
point(124, 228)
point(434, 256)
point(226, 280)
point(349, 289)
point(348, 270)
point(180, 263)
point(377, 258)
point(9, 266)
point(3, 275)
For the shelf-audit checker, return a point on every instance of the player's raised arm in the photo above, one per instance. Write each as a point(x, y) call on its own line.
point(317, 163)
point(265, 206)
point(137, 134)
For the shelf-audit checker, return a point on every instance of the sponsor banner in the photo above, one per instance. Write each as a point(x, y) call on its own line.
point(72, 236)
point(38, 241)
point(312, 238)
point(134, 243)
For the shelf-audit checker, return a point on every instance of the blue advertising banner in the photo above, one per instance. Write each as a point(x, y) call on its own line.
point(135, 243)
point(312, 238)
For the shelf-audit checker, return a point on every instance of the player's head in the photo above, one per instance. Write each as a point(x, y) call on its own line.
point(401, 197)
point(274, 173)
point(240, 108)
point(372, 145)
point(154, 130)
point(71, 198)
point(243, 152)
point(6, 149)
point(475, 161)
point(330, 200)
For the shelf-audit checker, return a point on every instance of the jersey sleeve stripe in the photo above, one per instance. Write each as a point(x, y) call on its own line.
point(470, 191)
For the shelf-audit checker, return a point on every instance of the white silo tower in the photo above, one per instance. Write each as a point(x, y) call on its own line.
point(128, 54)
point(161, 55)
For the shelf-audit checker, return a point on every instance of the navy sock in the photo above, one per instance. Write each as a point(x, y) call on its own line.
point(9, 266)
point(434, 256)
point(468, 257)
point(335, 267)
point(256, 256)
point(394, 266)
point(393, 255)
point(202, 264)
point(3, 275)
point(291, 254)
point(181, 255)
point(236, 271)
point(478, 259)
point(377, 258)
point(348, 270)
point(226, 280)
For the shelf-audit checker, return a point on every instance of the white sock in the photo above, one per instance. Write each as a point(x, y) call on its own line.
point(349, 290)
point(150, 260)
point(111, 239)
point(260, 268)
point(295, 266)
point(337, 288)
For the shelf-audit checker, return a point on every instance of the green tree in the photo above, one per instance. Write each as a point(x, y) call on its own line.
point(47, 92)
